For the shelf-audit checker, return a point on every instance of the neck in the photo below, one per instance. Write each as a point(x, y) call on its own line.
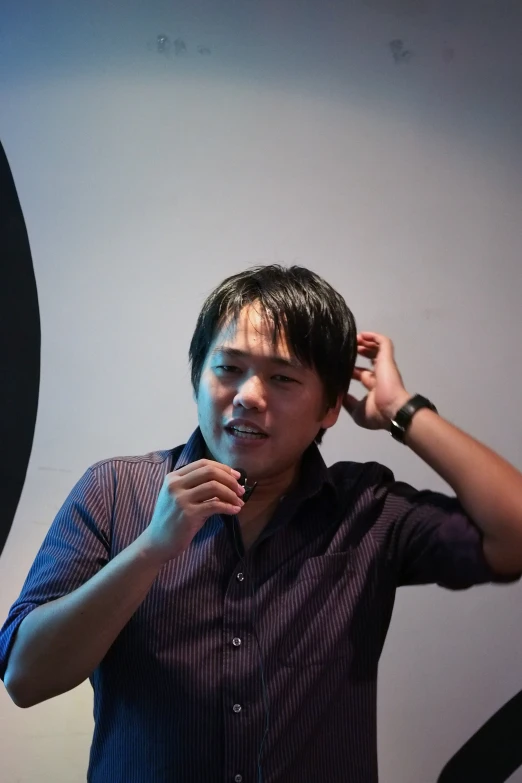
point(260, 508)
point(270, 490)
point(255, 516)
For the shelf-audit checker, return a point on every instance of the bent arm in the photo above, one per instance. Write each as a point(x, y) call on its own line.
point(488, 487)
point(59, 644)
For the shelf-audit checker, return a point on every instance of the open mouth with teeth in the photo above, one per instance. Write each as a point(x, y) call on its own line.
point(245, 433)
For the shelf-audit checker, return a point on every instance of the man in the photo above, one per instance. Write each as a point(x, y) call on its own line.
point(239, 641)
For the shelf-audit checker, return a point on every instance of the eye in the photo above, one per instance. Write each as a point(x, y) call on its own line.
point(226, 367)
point(229, 368)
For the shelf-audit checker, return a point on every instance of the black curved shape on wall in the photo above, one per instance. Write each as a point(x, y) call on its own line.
point(493, 753)
point(20, 340)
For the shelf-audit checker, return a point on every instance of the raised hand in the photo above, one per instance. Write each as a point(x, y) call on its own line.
point(188, 497)
point(386, 392)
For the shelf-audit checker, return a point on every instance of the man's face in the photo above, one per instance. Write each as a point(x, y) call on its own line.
point(285, 401)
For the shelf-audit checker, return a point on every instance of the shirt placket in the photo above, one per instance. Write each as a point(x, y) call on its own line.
point(242, 691)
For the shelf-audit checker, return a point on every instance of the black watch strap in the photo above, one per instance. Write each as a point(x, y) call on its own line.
point(403, 417)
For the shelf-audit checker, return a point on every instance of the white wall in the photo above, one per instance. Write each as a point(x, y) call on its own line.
point(146, 177)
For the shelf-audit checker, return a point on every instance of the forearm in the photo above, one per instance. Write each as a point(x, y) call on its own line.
point(59, 644)
point(488, 487)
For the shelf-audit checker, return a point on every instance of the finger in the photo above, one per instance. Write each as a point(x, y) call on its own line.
point(213, 490)
point(206, 470)
point(379, 342)
point(372, 336)
point(368, 352)
point(364, 376)
point(201, 463)
point(215, 506)
point(208, 473)
point(358, 372)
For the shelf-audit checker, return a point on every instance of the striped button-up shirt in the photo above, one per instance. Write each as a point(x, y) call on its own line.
point(250, 666)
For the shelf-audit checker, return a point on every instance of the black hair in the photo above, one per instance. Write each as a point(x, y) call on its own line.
point(314, 318)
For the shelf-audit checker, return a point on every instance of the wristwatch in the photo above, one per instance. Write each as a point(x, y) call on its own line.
point(403, 417)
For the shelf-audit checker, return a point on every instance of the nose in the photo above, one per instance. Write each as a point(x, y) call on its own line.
point(251, 393)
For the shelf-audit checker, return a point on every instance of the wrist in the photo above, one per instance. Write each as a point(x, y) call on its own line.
point(150, 553)
point(392, 409)
point(402, 420)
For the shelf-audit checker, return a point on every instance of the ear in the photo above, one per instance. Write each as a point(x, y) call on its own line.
point(332, 414)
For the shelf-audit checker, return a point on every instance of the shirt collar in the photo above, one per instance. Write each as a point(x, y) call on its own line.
point(313, 477)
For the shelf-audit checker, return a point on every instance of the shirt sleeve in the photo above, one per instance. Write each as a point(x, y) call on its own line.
point(76, 547)
point(432, 539)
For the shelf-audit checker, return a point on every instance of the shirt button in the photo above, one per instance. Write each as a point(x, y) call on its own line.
point(240, 577)
point(237, 708)
point(236, 642)
point(238, 778)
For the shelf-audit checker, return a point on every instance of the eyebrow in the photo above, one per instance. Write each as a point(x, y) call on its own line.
point(236, 352)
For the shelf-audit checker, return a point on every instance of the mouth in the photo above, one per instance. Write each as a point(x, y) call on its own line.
point(245, 433)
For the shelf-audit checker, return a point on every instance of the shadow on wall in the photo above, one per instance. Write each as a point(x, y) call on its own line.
point(19, 350)
point(492, 755)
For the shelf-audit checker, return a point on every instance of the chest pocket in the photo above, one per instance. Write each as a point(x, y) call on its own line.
point(317, 611)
